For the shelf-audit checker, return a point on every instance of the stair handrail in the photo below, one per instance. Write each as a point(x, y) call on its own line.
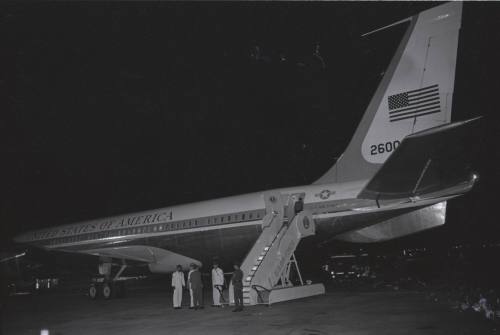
point(221, 289)
point(259, 289)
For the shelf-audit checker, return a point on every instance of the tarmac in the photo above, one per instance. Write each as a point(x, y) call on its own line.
point(150, 312)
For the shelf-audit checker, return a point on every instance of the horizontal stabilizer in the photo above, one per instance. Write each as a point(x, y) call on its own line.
point(429, 161)
point(399, 226)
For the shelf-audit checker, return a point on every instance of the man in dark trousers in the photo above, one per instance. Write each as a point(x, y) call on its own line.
point(196, 286)
point(237, 281)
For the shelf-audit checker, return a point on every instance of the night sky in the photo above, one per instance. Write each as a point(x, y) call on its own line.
point(118, 107)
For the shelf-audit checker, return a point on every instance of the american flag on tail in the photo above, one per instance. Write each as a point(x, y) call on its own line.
point(414, 103)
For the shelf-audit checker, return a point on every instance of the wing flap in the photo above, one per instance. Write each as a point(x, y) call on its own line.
point(426, 162)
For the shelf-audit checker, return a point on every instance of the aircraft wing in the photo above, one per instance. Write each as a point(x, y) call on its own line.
point(426, 162)
point(159, 260)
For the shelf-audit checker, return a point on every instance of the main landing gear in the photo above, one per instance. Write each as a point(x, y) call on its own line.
point(105, 286)
point(106, 289)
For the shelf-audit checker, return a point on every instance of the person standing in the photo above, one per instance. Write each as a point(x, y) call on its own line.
point(191, 302)
point(196, 286)
point(217, 280)
point(178, 283)
point(237, 281)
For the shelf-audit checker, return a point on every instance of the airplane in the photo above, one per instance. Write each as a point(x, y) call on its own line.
point(395, 177)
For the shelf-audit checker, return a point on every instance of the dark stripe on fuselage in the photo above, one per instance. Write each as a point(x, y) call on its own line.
point(232, 244)
point(195, 223)
point(86, 240)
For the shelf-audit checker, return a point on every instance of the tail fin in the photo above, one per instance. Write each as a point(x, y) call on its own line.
point(415, 94)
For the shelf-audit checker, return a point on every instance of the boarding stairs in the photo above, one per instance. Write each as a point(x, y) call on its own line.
point(270, 263)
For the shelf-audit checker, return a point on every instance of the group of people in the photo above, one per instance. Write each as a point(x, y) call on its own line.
point(195, 285)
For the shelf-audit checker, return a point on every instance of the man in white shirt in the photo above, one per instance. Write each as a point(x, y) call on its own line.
point(217, 279)
point(191, 304)
point(178, 283)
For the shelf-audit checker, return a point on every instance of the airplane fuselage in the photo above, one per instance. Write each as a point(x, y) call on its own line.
point(220, 228)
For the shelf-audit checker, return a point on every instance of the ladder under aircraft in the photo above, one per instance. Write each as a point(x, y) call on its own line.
point(270, 262)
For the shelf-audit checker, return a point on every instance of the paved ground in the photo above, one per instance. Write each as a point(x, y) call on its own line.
point(149, 312)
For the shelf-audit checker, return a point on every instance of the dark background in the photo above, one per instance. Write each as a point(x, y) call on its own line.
point(119, 107)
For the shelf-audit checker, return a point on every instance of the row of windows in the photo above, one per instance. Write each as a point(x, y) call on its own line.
point(320, 207)
point(214, 220)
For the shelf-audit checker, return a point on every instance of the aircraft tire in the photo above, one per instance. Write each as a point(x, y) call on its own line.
point(93, 291)
point(107, 291)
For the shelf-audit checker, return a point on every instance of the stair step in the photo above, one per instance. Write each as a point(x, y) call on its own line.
point(256, 270)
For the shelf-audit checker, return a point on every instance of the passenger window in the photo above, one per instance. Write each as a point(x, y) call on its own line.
point(243, 216)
